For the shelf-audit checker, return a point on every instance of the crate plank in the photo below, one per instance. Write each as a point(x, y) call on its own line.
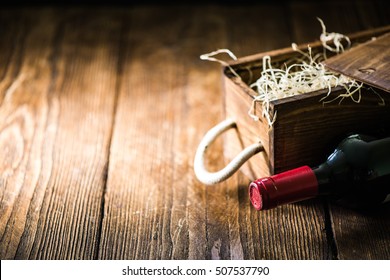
point(368, 63)
point(293, 139)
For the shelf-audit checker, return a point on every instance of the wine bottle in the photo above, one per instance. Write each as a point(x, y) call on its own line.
point(357, 173)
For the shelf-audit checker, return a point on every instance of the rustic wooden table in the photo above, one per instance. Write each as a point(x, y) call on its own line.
point(101, 110)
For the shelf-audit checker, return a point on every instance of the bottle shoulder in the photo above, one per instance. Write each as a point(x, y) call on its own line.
point(355, 150)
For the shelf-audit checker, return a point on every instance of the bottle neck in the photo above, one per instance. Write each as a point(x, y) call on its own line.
point(287, 187)
point(323, 175)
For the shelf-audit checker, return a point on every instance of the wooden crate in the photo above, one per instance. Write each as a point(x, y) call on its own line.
point(306, 129)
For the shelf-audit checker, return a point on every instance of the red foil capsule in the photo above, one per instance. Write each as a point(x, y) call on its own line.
point(287, 187)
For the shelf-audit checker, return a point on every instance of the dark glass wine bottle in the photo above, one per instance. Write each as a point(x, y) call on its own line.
point(357, 173)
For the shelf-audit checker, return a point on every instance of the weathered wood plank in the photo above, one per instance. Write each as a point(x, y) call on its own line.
point(361, 235)
point(56, 126)
point(155, 208)
point(26, 78)
point(351, 234)
point(60, 73)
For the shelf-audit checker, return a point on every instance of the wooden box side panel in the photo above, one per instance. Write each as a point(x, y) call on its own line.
point(237, 104)
point(306, 130)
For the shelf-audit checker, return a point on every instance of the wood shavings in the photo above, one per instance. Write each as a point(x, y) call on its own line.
point(301, 74)
point(335, 38)
point(306, 74)
point(211, 57)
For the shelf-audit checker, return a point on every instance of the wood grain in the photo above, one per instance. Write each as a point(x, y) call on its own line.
point(56, 121)
point(101, 111)
point(359, 234)
point(351, 234)
point(368, 63)
point(27, 131)
point(146, 216)
point(173, 216)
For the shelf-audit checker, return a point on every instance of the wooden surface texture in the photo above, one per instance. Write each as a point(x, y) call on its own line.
point(101, 111)
point(369, 63)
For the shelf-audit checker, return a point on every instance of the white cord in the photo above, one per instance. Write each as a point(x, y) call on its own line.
point(211, 178)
